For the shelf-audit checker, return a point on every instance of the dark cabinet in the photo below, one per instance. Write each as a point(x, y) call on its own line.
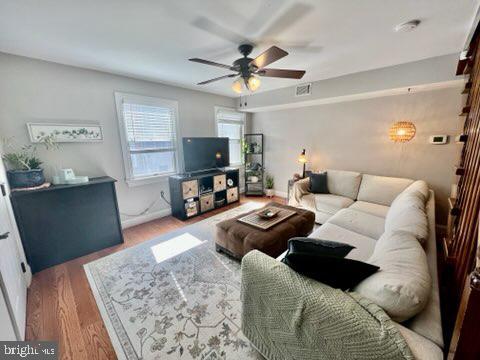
point(64, 222)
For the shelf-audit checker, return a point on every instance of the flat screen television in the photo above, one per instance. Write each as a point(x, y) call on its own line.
point(205, 153)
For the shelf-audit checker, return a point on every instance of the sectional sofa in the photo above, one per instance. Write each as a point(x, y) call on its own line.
point(393, 314)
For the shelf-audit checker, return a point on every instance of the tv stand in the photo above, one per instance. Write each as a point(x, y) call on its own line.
point(198, 193)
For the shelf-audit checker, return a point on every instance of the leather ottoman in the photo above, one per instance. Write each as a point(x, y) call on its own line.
point(236, 239)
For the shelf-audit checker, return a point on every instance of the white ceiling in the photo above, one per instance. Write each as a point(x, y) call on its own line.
point(153, 39)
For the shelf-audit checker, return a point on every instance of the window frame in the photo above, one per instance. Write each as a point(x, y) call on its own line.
point(130, 179)
point(242, 122)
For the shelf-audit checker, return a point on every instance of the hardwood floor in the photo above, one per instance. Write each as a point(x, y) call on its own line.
point(61, 306)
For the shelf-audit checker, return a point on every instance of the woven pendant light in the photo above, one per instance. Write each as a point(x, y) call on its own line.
point(402, 131)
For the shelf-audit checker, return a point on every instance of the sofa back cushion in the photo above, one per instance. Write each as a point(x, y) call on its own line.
point(403, 284)
point(381, 189)
point(343, 183)
point(417, 186)
point(408, 214)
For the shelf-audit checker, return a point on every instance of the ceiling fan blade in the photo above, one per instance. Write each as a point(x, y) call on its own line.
point(218, 30)
point(302, 47)
point(269, 56)
point(282, 73)
point(208, 62)
point(216, 79)
point(292, 15)
point(297, 46)
point(264, 11)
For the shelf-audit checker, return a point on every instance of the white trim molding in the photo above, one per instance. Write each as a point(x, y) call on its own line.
point(241, 121)
point(120, 98)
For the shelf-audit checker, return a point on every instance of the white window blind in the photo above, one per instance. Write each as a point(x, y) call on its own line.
point(150, 138)
point(231, 124)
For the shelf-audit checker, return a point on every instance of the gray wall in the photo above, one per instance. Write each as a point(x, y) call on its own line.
point(354, 136)
point(38, 91)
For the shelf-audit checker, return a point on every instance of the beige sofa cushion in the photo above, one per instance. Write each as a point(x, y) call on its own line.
point(308, 202)
point(403, 284)
point(420, 186)
point(330, 203)
point(359, 222)
point(422, 348)
point(364, 245)
point(428, 323)
point(343, 183)
point(324, 205)
point(321, 217)
point(407, 213)
point(381, 189)
point(370, 208)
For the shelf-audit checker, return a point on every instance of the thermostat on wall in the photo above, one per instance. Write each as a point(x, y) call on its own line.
point(438, 139)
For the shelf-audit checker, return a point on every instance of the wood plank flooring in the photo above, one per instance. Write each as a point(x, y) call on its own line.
point(61, 306)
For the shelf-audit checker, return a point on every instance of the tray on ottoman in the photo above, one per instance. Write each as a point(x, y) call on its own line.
point(237, 238)
point(262, 223)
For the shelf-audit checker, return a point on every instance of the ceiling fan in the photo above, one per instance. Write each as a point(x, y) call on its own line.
point(248, 70)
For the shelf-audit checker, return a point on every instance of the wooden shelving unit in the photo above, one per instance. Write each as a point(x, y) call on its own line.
point(465, 111)
point(192, 195)
point(468, 86)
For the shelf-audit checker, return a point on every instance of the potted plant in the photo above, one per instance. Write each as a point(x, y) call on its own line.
point(269, 184)
point(24, 166)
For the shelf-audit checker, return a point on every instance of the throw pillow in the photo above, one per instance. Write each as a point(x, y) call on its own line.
point(334, 271)
point(318, 183)
point(325, 247)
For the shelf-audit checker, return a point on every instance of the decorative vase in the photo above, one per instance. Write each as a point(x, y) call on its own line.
point(25, 178)
point(269, 192)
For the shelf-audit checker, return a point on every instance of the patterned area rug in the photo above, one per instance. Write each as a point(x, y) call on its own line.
point(173, 297)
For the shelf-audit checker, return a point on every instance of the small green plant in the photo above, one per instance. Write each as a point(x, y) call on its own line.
point(269, 182)
point(24, 157)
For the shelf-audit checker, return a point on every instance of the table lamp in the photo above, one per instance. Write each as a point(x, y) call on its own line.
point(303, 160)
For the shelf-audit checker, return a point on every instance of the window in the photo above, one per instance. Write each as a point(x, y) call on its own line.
point(231, 124)
point(148, 132)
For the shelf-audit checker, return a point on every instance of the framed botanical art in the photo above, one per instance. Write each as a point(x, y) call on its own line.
point(65, 132)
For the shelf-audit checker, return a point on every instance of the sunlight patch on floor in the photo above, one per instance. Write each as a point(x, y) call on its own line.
point(175, 246)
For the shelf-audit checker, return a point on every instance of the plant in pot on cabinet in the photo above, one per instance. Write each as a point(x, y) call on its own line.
point(269, 184)
point(23, 166)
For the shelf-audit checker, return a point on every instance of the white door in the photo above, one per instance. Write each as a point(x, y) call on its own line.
point(7, 331)
point(12, 279)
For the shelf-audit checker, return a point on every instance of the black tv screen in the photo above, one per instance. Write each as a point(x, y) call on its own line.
point(203, 153)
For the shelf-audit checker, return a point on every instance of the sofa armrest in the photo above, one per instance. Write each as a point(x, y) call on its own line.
point(299, 189)
point(288, 316)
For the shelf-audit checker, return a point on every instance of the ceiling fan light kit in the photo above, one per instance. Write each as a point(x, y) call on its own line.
point(248, 70)
point(237, 85)
point(253, 82)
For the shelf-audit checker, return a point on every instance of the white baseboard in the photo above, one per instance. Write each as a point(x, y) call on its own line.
point(126, 223)
point(282, 194)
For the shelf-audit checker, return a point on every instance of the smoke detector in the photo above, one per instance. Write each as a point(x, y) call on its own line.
point(407, 26)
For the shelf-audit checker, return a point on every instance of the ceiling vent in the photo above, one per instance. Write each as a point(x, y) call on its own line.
point(303, 90)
